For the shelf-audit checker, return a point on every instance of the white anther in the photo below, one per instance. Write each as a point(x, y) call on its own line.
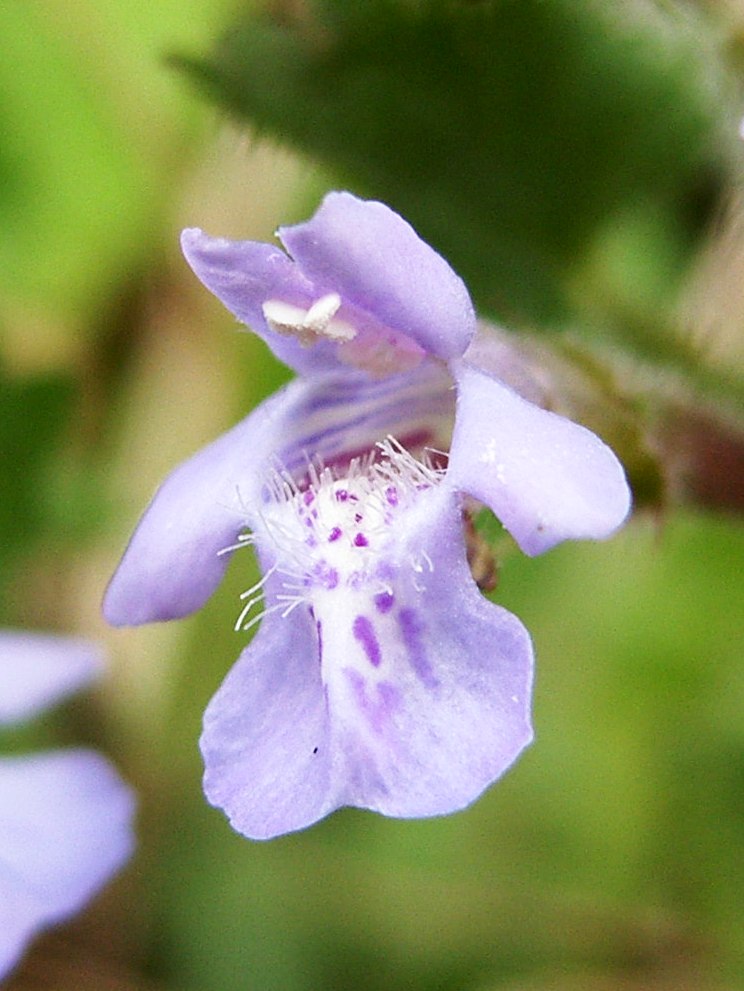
point(322, 312)
point(311, 325)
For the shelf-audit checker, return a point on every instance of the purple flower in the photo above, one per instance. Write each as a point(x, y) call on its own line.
point(380, 677)
point(65, 818)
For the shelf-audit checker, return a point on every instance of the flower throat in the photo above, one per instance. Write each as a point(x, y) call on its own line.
point(335, 529)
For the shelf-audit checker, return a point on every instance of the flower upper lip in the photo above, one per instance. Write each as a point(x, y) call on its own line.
point(546, 478)
point(389, 282)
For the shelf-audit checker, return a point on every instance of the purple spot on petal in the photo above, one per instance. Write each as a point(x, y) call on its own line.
point(358, 517)
point(334, 534)
point(377, 711)
point(391, 494)
point(384, 601)
point(385, 571)
point(326, 575)
point(389, 696)
point(308, 496)
point(342, 495)
point(359, 687)
point(413, 629)
point(319, 629)
point(364, 632)
point(360, 540)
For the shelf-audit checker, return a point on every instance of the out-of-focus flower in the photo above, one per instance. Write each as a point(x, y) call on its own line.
point(380, 676)
point(65, 817)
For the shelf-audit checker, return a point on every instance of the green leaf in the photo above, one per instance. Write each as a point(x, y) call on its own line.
point(94, 130)
point(33, 415)
point(510, 133)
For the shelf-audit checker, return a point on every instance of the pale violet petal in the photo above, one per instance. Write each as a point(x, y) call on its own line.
point(375, 260)
point(266, 741)
point(172, 564)
point(409, 701)
point(353, 256)
point(243, 275)
point(37, 670)
point(546, 478)
point(434, 703)
point(65, 829)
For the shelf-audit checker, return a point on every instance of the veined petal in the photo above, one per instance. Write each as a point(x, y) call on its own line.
point(397, 688)
point(173, 561)
point(37, 670)
point(377, 262)
point(546, 478)
point(440, 708)
point(244, 275)
point(65, 828)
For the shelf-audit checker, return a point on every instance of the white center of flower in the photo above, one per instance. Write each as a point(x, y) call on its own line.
point(337, 534)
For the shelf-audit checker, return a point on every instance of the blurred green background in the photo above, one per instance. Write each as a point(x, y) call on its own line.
point(580, 165)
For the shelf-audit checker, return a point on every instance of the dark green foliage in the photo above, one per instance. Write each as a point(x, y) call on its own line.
point(509, 133)
point(33, 414)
